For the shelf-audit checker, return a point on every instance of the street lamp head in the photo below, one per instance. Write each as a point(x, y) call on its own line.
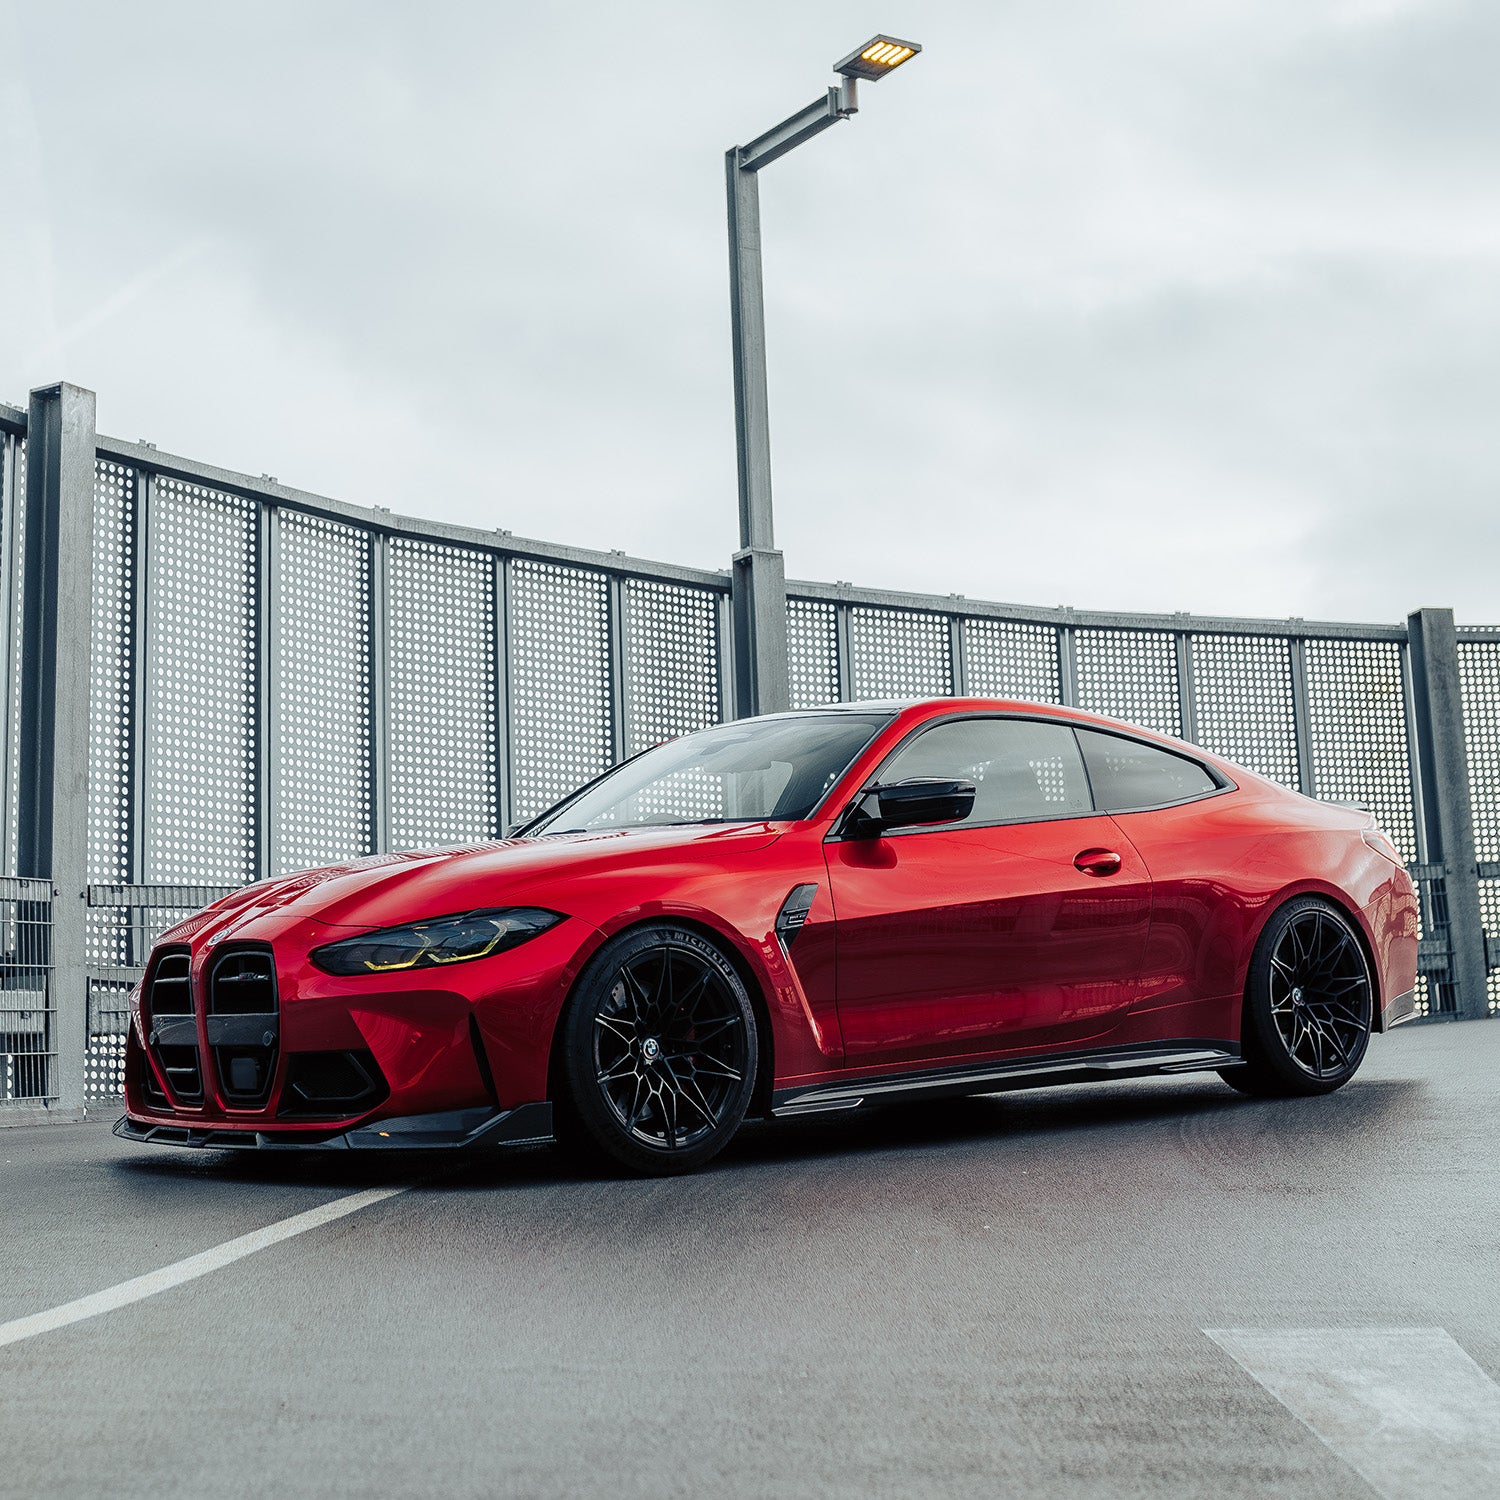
point(879, 56)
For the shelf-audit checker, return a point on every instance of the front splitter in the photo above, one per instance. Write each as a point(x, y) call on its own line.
point(453, 1130)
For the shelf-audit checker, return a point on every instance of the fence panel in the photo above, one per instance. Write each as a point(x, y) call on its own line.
point(899, 653)
point(200, 811)
point(1479, 682)
point(12, 598)
point(672, 674)
point(563, 688)
point(441, 626)
point(322, 686)
point(1243, 700)
point(1012, 659)
point(812, 652)
point(1131, 675)
point(28, 1007)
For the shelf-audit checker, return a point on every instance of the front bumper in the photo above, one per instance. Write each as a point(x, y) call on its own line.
point(448, 1130)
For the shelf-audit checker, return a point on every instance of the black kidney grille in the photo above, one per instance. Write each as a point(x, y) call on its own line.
point(171, 1031)
point(242, 982)
point(242, 1023)
point(171, 992)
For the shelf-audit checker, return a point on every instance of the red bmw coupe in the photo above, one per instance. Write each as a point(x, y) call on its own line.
point(800, 913)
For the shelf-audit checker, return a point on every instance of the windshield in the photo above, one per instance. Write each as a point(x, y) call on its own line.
point(751, 771)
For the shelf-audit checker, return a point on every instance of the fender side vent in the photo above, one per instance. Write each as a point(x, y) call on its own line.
point(793, 914)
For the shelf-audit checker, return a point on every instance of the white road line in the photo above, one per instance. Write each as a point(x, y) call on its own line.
point(140, 1287)
point(1405, 1408)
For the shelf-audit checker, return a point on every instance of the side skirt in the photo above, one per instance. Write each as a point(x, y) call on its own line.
point(1139, 1061)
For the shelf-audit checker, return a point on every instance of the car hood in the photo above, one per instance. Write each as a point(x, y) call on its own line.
point(389, 889)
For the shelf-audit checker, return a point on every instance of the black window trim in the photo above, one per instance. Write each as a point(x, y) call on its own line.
point(1222, 783)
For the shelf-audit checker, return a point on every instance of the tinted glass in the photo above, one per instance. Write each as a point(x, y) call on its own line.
point(1128, 774)
point(1021, 769)
point(752, 771)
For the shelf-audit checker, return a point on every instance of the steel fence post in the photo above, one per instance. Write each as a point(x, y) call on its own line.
point(758, 600)
point(52, 839)
point(1307, 782)
point(380, 693)
point(1437, 707)
point(1187, 689)
point(958, 661)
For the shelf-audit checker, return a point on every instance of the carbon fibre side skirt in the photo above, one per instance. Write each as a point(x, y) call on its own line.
point(1138, 1061)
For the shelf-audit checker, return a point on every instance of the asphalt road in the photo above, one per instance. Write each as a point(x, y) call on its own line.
point(1000, 1296)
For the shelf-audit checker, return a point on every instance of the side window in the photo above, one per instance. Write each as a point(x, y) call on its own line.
point(1021, 768)
point(1128, 774)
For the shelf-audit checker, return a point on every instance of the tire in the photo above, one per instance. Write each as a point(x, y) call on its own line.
point(658, 1053)
point(1309, 1004)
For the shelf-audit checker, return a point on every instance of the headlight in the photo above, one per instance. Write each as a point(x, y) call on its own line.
point(443, 940)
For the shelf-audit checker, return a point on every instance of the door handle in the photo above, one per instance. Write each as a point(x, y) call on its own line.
point(1098, 862)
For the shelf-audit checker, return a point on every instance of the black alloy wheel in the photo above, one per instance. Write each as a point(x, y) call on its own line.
point(1309, 1003)
point(659, 1052)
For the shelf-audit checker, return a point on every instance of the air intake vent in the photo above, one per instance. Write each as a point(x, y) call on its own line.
point(331, 1085)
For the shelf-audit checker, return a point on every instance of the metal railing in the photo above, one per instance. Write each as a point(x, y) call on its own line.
point(274, 680)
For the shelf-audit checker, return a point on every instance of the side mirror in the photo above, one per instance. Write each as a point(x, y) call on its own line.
point(907, 804)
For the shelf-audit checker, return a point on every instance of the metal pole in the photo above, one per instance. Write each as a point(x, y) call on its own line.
point(758, 587)
point(52, 840)
point(1444, 763)
point(752, 423)
point(758, 582)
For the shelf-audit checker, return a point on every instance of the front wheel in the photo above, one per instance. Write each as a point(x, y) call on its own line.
point(1309, 1003)
point(659, 1051)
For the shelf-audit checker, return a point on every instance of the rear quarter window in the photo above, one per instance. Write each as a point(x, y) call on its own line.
point(1128, 774)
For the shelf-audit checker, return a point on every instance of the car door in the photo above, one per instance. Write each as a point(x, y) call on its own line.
point(1208, 877)
point(1022, 926)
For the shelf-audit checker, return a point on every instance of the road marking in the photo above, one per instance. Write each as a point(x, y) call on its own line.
point(1405, 1408)
point(140, 1287)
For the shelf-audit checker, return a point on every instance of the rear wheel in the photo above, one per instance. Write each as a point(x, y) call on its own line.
point(1309, 1000)
point(658, 1051)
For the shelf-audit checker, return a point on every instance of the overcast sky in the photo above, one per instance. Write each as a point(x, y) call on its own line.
point(1120, 305)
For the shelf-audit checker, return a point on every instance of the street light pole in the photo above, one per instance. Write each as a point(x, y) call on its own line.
point(758, 593)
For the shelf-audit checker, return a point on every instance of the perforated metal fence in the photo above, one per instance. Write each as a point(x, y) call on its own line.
point(279, 680)
point(1479, 682)
point(28, 1013)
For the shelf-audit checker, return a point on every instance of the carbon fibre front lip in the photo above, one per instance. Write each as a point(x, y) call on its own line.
point(452, 1130)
